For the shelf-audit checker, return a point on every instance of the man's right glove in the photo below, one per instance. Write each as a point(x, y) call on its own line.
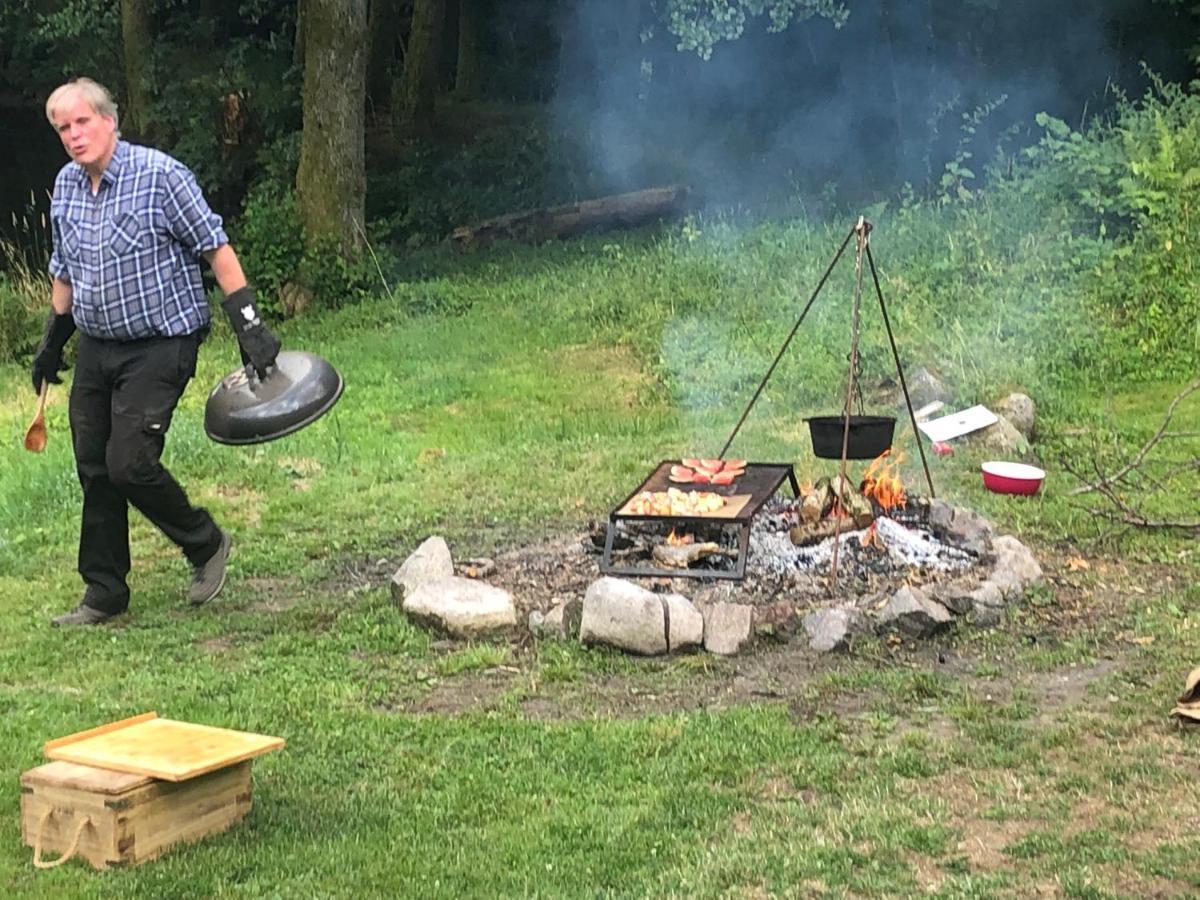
point(47, 359)
point(258, 345)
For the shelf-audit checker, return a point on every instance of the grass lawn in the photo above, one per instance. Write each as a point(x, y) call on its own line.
point(531, 393)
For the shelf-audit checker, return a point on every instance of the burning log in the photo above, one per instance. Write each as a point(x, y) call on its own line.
point(852, 502)
point(553, 222)
point(680, 556)
point(817, 503)
point(807, 533)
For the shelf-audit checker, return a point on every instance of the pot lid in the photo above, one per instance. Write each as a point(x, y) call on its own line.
point(246, 409)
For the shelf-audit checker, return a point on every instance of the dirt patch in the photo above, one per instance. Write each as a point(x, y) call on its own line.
point(485, 691)
point(1068, 687)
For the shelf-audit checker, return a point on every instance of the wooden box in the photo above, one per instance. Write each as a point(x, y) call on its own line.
point(118, 818)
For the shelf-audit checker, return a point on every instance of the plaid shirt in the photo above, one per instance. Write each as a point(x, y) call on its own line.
point(131, 252)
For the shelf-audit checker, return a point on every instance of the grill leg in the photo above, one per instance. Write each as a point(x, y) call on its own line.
point(610, 532)
point(743, 550)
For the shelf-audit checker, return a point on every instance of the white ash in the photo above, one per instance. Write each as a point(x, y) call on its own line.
point(772, 552)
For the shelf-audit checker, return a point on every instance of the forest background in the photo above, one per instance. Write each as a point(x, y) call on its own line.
point(438, 113)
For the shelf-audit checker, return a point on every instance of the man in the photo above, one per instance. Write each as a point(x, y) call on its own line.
point(129, 227)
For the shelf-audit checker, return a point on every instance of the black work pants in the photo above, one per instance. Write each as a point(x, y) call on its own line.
point(122, 398)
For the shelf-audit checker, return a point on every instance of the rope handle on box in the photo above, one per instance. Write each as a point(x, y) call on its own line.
point(37, 841)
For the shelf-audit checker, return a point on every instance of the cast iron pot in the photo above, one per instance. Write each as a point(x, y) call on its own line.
point(869, 436)
point(246, 409)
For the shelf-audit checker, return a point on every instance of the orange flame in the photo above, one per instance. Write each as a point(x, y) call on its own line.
point(674, 540)
point(882, 481)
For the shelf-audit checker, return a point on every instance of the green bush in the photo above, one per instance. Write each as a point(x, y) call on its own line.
point(333, 279)
point(269, 242)
point(1134, 179)
point(20, 320)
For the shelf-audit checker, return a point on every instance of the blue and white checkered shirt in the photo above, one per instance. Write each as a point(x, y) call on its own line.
point(131, 252)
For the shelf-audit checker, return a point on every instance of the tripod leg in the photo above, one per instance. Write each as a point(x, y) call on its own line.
point(900, 371)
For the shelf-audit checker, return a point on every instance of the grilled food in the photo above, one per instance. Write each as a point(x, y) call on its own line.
point(674, 502)
point(707, 471)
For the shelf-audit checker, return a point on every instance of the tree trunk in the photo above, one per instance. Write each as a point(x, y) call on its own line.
point(301, 29)
point(418, 86)
point(331, 181)
point(384, 27)
point(469, 72)
point(136, 43)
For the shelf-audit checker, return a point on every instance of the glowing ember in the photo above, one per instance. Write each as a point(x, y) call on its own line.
point(882, 481)
point(870, 537)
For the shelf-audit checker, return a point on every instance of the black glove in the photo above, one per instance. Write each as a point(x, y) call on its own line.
point(258, 345)
point(47, 359)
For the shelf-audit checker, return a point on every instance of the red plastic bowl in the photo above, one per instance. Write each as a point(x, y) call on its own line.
point(1012, 478)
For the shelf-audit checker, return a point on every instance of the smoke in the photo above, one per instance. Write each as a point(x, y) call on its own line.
point(892, 97)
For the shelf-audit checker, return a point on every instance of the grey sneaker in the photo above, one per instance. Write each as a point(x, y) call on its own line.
point(208, 579)
point(83, 615)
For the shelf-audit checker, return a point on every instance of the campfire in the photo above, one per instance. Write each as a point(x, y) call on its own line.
point(880, 526)
point(833, 506)
point(875, 521)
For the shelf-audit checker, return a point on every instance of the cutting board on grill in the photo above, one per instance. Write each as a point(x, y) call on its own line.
point(731, 510)
point(161, 748)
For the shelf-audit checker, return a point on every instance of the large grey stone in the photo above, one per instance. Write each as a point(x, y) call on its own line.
point(562, 621)
point(911, 612)
point(1018, 409)
point(941, 516)
point(1016, 568)
point(726, 627)
point(987, 605)
point(462, 607)
point(956, 596)
point(923, 388)
point(833, 628)
point(685, 624)
point(969, 530)
point(620, 614)
point(1002, 438)
point(428, 562)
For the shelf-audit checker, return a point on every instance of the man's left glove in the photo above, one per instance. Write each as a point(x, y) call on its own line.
point(258, 345)
point(47, 359)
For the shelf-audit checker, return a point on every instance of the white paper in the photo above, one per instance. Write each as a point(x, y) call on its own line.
point(957, 424)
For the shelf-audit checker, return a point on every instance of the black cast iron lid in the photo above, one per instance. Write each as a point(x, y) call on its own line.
point(244, 409)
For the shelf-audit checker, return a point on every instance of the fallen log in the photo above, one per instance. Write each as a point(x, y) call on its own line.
point(555, 222)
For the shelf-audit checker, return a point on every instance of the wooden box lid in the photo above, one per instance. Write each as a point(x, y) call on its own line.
point(83, 778)
point(160, 748)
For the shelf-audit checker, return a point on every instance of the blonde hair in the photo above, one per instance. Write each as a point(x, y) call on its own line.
point(94, 94)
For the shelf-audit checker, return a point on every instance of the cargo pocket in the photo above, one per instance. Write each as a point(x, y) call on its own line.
point(156, 426)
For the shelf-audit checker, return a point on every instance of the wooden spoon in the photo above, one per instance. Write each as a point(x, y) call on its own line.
point(35, 435)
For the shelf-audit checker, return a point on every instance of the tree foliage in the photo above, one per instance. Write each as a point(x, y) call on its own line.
point(701, 24)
